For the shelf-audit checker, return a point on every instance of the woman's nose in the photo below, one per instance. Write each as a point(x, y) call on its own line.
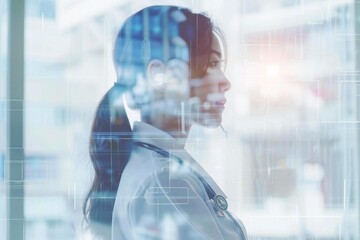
point(225, 84)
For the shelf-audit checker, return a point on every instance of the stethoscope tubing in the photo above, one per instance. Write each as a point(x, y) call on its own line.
point(210, 192)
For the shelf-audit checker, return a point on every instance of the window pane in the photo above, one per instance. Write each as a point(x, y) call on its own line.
point(48, 207)
point(3, 138)
point(289, 163)
point(65, 77)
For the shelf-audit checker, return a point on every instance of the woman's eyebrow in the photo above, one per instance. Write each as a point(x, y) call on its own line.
point(216, 52)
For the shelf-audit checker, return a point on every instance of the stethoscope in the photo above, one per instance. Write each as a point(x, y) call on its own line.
point(219, 202)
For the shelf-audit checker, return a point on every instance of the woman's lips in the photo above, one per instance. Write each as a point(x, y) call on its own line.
point(220, 102)
point(216, 99)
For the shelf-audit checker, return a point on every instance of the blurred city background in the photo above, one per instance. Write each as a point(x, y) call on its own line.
point(290, 161)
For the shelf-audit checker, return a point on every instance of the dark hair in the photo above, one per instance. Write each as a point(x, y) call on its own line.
point(109, 149)
point(135, 45)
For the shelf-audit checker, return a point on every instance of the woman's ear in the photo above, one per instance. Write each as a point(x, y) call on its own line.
point(156, 74)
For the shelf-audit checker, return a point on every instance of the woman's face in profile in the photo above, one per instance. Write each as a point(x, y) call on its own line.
point(171, 87)
point(208, 92)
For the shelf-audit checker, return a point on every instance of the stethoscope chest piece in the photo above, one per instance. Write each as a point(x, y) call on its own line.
point(220, 202)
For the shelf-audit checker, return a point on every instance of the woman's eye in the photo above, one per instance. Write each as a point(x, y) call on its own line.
point(215, 64)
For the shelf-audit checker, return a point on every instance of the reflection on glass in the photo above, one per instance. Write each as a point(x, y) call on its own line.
point(296, 125)
point(47, 205)
point(289, 145)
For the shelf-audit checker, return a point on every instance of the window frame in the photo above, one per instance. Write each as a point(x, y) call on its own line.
point(14, 179)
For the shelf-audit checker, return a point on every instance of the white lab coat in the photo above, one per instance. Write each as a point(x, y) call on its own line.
point(158, 198)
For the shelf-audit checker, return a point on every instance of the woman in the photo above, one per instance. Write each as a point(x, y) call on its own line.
point(168, 62)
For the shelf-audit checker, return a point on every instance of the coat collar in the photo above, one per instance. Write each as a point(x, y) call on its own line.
point(147, 133)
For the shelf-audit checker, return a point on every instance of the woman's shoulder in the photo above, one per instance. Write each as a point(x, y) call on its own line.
point(147, 170)
point(139, 167)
